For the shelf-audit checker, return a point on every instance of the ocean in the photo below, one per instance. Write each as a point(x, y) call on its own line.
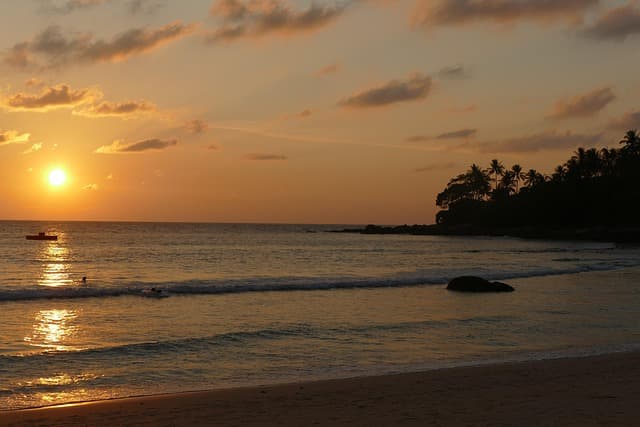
point(246, 304)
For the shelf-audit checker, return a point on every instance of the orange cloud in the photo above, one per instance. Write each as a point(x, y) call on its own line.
point(544, 141)
point(118, 146)
point(415, 88)
point(52, 48)
point(617, 24)
point(52, 98)
point(13, 137)
point(196, 126)
point(458, 134)
point(260, 18)
point(630, 120)
point(329, 69)
point(582, 105)
point(125, 110)
point(428, 13)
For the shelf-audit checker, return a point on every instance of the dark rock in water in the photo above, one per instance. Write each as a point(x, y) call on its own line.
point(477, 284)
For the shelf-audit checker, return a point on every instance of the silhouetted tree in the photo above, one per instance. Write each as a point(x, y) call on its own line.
point(517, 175)
point(497, 169)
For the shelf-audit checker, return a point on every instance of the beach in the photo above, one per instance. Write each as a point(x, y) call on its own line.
point(596, 390)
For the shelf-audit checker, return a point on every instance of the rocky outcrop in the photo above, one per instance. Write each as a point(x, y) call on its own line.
point(477, 284)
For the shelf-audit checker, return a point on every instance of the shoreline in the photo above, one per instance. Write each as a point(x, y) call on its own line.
point(596, 233)
point(587, 390)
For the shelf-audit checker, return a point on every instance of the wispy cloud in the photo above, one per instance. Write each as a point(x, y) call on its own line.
point(584, 105)
point(34, 83)
point(617, 24)
point(261, 18)
point(13, 137)
point(52, 98)
point(262, 156)
point(196, 126)
point(329, 69)
point(544, 141)
point(454, 72)
point(299, 115)
point(69, 6)
point(457, 134)
point(34, 148)
point(119, 146)
point(630, 120)
point(128, 109)
point(430, 13)
point(53, 48)
point(90, 187)
point(415, 88)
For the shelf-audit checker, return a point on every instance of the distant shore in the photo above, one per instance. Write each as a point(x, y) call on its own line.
point(589, 391)
point(599, 234)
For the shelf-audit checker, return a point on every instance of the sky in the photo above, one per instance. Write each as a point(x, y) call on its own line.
point(348, 112)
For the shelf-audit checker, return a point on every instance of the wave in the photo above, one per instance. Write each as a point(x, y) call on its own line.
point(282, 284)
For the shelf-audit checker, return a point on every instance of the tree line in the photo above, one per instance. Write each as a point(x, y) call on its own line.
point(595, 187)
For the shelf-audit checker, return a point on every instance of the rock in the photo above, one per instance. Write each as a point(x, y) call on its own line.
point(477, 284)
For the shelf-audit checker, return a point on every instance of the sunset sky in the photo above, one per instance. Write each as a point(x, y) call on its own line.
point(298, 111)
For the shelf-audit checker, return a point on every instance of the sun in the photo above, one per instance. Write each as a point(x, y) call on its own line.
point(57, 177)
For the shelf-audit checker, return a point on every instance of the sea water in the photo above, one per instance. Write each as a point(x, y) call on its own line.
point(246, 304)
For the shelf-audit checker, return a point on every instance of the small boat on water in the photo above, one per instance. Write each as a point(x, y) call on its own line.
point(41, 236)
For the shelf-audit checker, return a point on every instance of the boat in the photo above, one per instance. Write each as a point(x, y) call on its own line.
point(41, 236)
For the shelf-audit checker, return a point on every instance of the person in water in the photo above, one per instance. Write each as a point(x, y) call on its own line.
point(84, 279)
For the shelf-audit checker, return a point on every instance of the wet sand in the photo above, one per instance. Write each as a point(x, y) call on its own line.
point(599, 390)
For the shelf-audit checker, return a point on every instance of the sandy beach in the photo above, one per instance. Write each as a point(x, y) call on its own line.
point(598, 390)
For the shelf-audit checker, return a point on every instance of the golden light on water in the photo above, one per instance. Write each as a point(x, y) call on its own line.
point(57, 177)
point(52, 329)
point(55, 269)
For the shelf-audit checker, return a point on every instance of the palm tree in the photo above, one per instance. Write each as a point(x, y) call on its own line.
point(478, 181)
point(507, 182)
point(496, 168)
point(517, 174)
point(631, 142)
point(559, 173)
point(533, 178)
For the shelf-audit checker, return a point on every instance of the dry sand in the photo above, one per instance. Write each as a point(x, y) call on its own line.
point(599, 390)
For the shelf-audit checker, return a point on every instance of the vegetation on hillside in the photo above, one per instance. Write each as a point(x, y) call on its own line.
point(595, 187)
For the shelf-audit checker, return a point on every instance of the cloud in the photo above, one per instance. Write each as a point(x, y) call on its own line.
point(430, 13)
point(458, 134)
point(196, 126)
point(454, 72)
point(261, 18)
point(90, 187)
point(34, 148)
point(462, 133)
point(52, 48)
point(69, 6)
point(34, 83)
point(299, 115)
point(329, 69)
point(630, 120)
point(415, 88)
point(52, 98)
point(13, 137)
point(437, 166)
point(124, 110)
point(549, 140)
point(582, 105)
point(617, 24)
point(212, 147)
point(260, 156)
point(144, 145)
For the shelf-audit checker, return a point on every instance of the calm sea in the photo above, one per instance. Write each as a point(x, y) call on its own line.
point(254, 304)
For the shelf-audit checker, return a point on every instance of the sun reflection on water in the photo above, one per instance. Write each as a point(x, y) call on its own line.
point(53, 329)
point(55, 267)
